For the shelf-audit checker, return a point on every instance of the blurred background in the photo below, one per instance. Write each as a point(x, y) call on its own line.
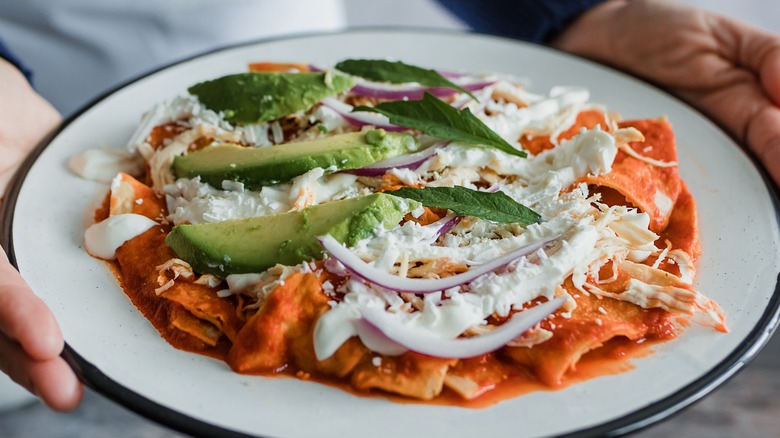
point(746, 406)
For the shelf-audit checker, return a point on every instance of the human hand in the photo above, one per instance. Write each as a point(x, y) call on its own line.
point(725, 68)
point(25, 118)
point(30, 340)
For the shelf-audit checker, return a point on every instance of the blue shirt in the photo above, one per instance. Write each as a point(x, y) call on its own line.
point(530, 20)
point(8, 56)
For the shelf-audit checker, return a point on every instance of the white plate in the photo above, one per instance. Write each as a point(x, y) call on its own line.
point(120, 354)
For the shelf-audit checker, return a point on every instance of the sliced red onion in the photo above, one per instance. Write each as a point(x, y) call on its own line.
point(450, 74)
point(445, 73)
point(360, 118)
point(388, 281)
point(494, 188)
point(397, 92)
point(449, 222)
point(407, 161)
point(375, 340)
point(449, 225)
point(460, 348)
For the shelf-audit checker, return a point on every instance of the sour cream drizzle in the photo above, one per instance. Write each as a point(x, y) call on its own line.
point(103, 164)
point(102, 239)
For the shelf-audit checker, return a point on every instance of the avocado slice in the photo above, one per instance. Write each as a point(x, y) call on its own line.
point(246, 98)
point(258, 167)
point(256, 244)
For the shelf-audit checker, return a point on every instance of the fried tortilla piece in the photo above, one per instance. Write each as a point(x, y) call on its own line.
point(410, 374)
point(475, 376)
point(280, 67)
point(128, 195)
point(203, 303)
point(682, 230)
point(594, 322)
point(163, 133)
point(289, 312)
point(215, 314)
point(284, 326)
point(429, 216)
point(196, 327)
point(587, 119)
point(390, 182)
point(340, 364)
point(139, 259)
point(667, 283)
point(650, 287)
point(652, 188)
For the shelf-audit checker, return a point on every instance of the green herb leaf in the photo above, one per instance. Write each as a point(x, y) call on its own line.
point(434, 117)
point(496, 207)
point(397, 72)
point(261, 97)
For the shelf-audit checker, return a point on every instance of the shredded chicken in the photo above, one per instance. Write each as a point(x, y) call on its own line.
point(171, 270)
point(650, 287)
point(437, 268)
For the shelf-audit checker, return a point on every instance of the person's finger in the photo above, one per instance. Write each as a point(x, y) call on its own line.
point(770, 74)
point(763, 137)
point(51, 380)
point(24, 318)
point(754, 49)
point(22, 125)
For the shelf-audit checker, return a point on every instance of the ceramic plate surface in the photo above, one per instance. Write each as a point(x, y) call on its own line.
point(121, 355)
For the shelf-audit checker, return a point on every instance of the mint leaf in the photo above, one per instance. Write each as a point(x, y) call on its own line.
point(496, 207)
point(261, 97)
point(397, 72)
point(434, 117)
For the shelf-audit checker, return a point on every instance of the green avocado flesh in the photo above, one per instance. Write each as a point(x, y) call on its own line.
point(246, 98)
point(256, 244)
point(263, 166)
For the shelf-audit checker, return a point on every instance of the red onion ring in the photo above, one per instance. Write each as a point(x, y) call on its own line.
point(445, 73)
point(449, 225)
point(460, 348)
point(451, 74)
point(363, 270)
point(396, 92)
point(407, 161)
point(360, 118)
point(494, 188)
point(376, 340)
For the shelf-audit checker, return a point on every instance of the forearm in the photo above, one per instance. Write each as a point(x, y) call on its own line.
point(590, 35)
point(25, 118)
